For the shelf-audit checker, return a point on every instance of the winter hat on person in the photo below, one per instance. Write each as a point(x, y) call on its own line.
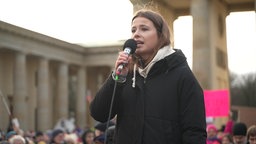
point(239, 129)
point(103, 126)
point(55, 133)
point(100, 138)
point(10, 134)
point(39, 133)
point(211, 126)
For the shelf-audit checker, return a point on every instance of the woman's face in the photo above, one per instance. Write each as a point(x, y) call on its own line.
point(89, 138)
point(145, 34)
point(252, 139)
point(225, 140)
point(59, 138)
point(211, 133)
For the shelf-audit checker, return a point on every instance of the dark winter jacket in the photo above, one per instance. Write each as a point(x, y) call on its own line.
point(165, 108)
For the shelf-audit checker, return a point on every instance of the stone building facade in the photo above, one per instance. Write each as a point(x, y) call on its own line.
point(44, 79)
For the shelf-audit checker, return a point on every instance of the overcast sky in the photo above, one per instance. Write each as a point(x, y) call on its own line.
point(87, 21)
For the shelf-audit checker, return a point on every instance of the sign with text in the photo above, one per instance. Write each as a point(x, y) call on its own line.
point(216, 103)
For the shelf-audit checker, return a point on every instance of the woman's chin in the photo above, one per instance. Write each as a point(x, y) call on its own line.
point(138, 52)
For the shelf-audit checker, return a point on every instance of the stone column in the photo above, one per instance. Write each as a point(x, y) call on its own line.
point(201, 42)
point(139, 4)
point(169, 17)
point(62, 92)
point(81, 98)
point(209, 46)
point(43, 97)
point(20, 90)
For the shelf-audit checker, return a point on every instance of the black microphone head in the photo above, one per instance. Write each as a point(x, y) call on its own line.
point(132, 44)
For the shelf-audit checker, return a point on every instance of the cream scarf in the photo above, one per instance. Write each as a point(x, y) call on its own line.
point(162, 53)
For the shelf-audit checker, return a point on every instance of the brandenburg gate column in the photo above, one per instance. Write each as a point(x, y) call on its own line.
point(61, 107)
point(202, 58)
point(209, 43)
point(139, 4)
point(80, 99)
point(170, 17)
point(43, 98)
point(210, 46)
point(20, 90)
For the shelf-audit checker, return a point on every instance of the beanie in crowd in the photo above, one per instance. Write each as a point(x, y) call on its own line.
point(39, 133)
point(103, 126)
point(211, 126)
point(10, 134)
point(55, 133)
point(100, 138)
point(239, 129)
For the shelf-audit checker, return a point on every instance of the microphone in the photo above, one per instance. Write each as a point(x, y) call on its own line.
point(129, 48)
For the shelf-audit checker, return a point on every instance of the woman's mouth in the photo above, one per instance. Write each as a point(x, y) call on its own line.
point(139, 43)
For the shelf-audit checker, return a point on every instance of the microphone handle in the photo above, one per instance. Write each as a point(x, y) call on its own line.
point(119, 69)
point(121, 66)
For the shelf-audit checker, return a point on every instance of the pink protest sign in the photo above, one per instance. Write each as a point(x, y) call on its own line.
point(216, 103)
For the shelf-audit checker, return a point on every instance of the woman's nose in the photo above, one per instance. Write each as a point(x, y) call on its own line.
point(136, 34)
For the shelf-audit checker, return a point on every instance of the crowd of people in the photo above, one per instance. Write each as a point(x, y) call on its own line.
point(153, 94)
point(237, 133)
point(94, 135)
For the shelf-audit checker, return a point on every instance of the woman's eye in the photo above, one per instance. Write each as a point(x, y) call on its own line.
point(144, 29)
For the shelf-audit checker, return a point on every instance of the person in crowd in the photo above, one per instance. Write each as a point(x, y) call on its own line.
point(99, 139)
point(229, 124)
point(226, 139)
point(17, 139)
point(221, 132)
point(2, 138)
point(100, 130)
point(29, 136)
point(78, 130)
point(156, 97)
point(10, 134)
point(110, 135)
point(39, 138)
point(57, 137)
point(251, 134)
point(71, 138)
point(87, 137)
point(239, 133)
point(212, 135)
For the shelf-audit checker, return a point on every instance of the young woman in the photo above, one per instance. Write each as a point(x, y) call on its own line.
point(159, 101)
point(226, 139)
point(87, 137)
point(57, 137)
point(251, 134)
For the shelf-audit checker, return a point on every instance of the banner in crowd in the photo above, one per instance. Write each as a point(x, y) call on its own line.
point(217, 103)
